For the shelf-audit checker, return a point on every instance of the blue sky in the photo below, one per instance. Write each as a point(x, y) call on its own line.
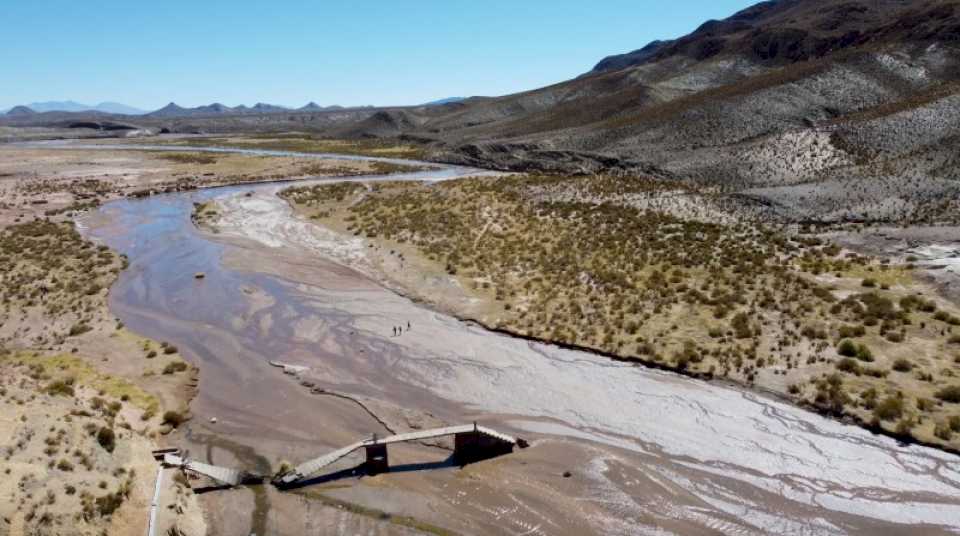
point(146, 54)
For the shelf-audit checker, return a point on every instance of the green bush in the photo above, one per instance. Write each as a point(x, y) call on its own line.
point(847, 348)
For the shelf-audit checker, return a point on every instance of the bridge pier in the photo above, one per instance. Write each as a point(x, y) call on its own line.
point(474, 446)
point(377, 460)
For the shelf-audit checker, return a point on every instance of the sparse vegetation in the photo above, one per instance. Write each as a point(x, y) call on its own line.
point(608, 263)
point(307, 143)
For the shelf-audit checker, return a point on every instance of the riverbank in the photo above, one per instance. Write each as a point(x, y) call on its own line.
point(53, 178)
point(73, 374)
point(442, 357)
point(84, 400)
point(741, 303)
point(678, 454)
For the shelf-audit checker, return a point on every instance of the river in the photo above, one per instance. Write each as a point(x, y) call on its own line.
point(653, 452)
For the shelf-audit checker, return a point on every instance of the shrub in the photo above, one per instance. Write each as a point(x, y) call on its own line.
point(79, 329)
point(864, 353)
point(64, 465)
point(61, 387)
point(869, 283)
point(943, 431)
point(849, 332)
point(894, 336)
point(109, 503)
point(889, 409)
point(905, 426)
point(173, 418)
point(107, 439)
point(847, 348)
point(176, 366)
point(949, 394)
point(741, 326)
point(849, 365)
point(902, 365)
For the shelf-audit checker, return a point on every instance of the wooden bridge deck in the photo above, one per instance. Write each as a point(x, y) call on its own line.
point(315, 465)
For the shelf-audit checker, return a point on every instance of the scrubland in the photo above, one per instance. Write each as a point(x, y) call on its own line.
point(310, 143)
point(649, 271)
point(84, 400)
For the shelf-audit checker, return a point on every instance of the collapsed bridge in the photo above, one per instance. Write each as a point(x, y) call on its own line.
point(471, 442)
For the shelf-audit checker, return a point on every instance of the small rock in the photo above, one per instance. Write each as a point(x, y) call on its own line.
point(199, 275)
point(213, 420)
point(567, 474)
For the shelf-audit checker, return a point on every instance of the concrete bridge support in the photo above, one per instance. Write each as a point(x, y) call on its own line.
point(377, 460)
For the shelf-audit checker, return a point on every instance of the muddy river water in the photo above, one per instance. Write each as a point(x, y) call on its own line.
point(650, 452)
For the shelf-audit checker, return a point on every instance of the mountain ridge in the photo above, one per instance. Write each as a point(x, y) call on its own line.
point(73, 106)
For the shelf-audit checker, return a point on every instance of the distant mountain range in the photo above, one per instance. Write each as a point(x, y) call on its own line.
point(72, 106)
point(175, 110)
point(448, 100)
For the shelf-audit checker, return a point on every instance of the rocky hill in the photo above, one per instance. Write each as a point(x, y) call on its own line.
point(811, 110)
point(797, 110)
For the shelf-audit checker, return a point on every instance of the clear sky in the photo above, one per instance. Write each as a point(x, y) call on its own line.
point(146, 54)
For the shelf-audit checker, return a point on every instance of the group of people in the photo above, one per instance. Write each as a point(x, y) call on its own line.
point(398, 330)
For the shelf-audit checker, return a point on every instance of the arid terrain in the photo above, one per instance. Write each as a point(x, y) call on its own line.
point(84, 399)
point(713, 284)
point(639, 270)
point(328, 303)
